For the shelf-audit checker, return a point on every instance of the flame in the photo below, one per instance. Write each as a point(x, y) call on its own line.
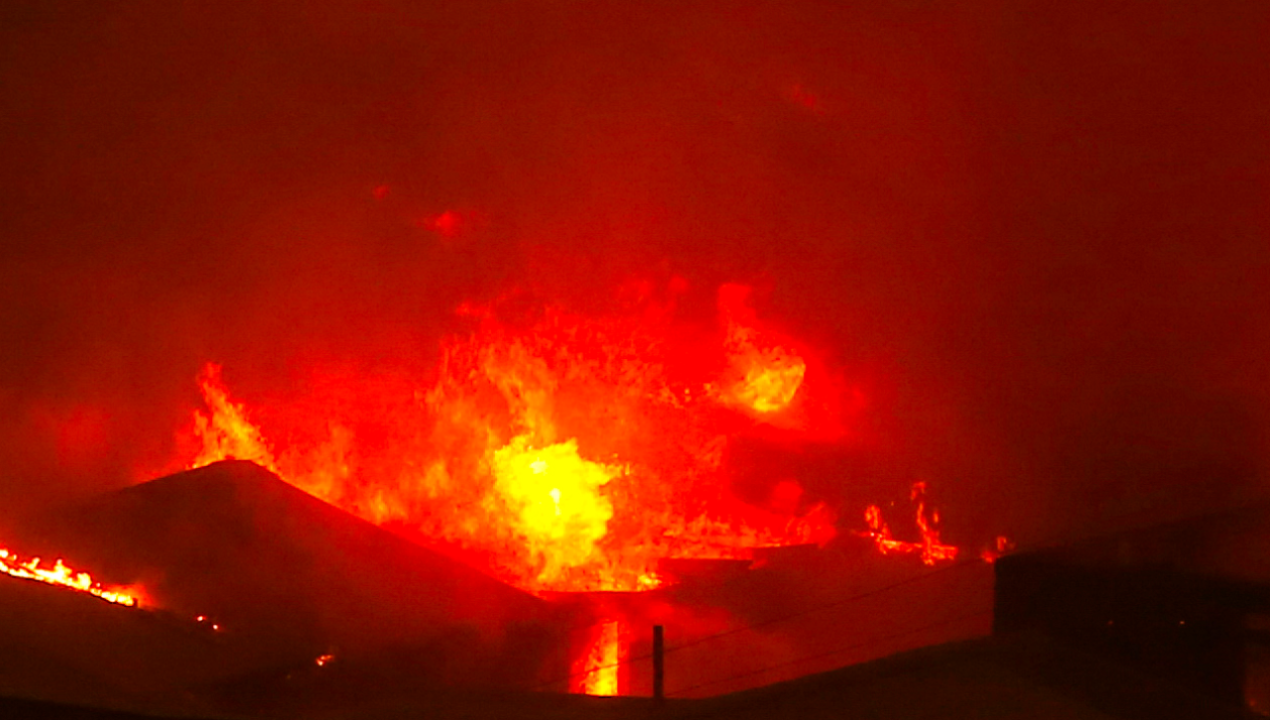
point(930, 548)
point(565, 452)
point(225, 431)
point(63, 576)
point(323, 660)
point(558, 451)
point(1001, 546)
point(554, 499)
point(597, 669)
point(769, 377)
point(762, 375)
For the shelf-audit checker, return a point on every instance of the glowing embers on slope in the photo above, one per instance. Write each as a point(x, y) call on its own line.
point(596, 670)
point(558, 451)
point(930, 548)
point(63, 576)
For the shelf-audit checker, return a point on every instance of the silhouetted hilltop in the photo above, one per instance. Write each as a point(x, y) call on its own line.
point(294, 578)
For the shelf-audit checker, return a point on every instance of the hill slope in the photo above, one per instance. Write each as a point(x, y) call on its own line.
point(293, 578)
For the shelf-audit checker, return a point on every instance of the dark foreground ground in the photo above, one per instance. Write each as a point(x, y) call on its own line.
point(1017, 677)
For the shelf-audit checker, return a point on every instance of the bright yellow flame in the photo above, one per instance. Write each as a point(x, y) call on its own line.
point(555, 501)
point(601, 671)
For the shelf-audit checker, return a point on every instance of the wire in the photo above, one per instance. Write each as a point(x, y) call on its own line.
point(1068, 539)
point(818, 608)
point(588, 671)
point(964, 563)
point(765, 623)
point(838, 651)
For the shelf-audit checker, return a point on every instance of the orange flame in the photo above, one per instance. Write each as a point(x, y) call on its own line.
point(597, 670)
point(769, 377)
point(560, 454)
point(63, 576)
point(224, 431)
point(762, 375)
point(1002, 546)
point(930, 548)
point(553, 498)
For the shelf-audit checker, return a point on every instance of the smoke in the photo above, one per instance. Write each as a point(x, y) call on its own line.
point(1035, 235)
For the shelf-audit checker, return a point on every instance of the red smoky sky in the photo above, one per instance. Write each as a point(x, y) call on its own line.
point(1039, 229)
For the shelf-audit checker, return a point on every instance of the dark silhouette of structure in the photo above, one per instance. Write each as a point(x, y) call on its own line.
point(1187, 602)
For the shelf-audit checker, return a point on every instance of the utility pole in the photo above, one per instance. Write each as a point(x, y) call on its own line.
point(659, 665)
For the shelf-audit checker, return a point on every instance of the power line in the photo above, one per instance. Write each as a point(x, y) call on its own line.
point(1069, 539)
point(854, 646)
point(588, 671)
point(818, 608)
point(765, 623)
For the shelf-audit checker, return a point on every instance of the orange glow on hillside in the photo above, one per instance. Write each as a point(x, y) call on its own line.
point(62, 576)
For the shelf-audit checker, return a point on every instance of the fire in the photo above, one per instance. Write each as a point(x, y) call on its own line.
point(768, 378)
point(596, 670)
point(1001, 546)
point(930, 548)
point(563, 452)
point(63, 576)
point(225, 431)
point(558, 451)
point(553, 496)
point(762, 376)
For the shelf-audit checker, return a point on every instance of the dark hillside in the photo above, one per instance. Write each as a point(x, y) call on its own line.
point(295, 578)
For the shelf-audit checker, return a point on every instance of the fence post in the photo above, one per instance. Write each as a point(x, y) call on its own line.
point(659, 664)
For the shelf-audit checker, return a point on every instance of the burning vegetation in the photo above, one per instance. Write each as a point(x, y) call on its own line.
point(62, 576)
point(566, 452)
point(558, 451)
point(930, 549)
point(595, 670)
